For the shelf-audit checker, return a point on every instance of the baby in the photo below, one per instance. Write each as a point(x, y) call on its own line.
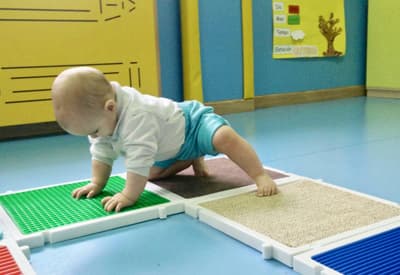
point(157, 136)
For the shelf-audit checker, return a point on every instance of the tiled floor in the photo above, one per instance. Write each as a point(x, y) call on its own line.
point(353, 143)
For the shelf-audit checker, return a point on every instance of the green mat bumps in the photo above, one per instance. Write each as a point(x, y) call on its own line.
point(46, 208)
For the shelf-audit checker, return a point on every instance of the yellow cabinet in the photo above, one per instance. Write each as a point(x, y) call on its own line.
point(41, 38)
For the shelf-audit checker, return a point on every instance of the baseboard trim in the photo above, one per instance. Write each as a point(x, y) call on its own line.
point(271, 100)
point(30, 130)
point(232, 106)
point(383, 92)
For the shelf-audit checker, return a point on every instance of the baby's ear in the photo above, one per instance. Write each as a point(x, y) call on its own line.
point(110, 105)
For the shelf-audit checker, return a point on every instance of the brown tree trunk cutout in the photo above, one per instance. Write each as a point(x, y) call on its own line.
point(330, 32)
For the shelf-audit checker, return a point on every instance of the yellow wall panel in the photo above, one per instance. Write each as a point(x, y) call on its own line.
point(41, 38)
point(383, 43)
point(248, 54)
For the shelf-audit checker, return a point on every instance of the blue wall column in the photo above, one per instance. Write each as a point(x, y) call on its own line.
point(221, 49)
point(169, 32)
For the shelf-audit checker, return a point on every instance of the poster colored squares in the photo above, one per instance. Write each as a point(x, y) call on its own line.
point(308, 28)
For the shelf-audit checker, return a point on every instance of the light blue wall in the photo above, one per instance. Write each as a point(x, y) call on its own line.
point(169, 32)
point(221, 49)
point(221, 52)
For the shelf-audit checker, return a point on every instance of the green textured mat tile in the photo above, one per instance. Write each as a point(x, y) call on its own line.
point(46, 208)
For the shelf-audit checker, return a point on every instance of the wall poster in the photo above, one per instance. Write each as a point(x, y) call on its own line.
point(308, 28)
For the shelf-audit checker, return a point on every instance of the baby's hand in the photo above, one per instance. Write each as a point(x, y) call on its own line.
point(90, 190)
point(266, 186)
point(116, 202)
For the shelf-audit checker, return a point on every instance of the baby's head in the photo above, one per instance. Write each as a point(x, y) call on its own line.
point(84, 102)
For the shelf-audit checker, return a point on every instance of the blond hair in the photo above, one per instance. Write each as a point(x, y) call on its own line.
point(79, 90)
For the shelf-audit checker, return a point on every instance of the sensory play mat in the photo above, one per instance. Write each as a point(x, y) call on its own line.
point(12, 260)
point(378, 254)
point(305, 215)
point(374, 252)
point(224, 175)
point(50, 214)
point(299, 226)
point(303, 212)
point(8, 265)
point(47, 208)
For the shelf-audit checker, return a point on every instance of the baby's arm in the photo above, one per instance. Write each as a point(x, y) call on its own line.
point(100, 174)
point(134, 186)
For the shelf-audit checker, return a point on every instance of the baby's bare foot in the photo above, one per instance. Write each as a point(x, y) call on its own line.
point(200, 167)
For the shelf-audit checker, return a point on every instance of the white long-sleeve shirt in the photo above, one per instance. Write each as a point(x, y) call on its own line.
point(148, 129)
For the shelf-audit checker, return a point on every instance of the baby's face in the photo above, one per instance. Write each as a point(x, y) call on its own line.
point(84, 102)
point(103, 126)
point(80, 123)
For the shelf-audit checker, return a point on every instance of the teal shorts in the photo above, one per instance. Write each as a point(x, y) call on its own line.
point(201, 125)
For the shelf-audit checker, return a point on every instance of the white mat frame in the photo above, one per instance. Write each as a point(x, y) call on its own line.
point(270, 248)
point(19, 256)
point(299, 257)
point(66, 232)
point(304, 263)
point(79, 229)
